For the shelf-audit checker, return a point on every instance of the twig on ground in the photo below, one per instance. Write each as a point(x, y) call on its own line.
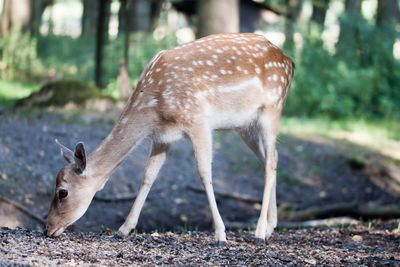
point(22, 208)
point(236, 196)
point(116, 198)
point(295, 225)
point(320, 223)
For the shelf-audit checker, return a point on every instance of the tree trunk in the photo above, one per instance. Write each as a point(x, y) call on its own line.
point(38, 7)
point(140, 16)
point(15, 13)
point(217, 16)
point(102, 37)
point(294, 7)
point(122, 17)
point(319, 11)
point(90, 17)
point(348, 34)
point(388, 11)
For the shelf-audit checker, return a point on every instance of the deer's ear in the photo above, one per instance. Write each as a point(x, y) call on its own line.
point(80, 157)
point(67, 153)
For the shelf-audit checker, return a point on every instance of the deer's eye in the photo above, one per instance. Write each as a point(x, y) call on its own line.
point(62, 193)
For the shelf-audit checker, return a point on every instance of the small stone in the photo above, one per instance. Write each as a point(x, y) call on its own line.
point(357, 238)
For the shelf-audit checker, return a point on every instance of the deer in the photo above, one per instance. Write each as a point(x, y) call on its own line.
point(230, 81)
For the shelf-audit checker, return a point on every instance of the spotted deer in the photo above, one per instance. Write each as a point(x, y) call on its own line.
point(223, 81)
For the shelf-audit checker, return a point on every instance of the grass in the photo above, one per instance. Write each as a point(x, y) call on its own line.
point(10, 91)
point(382, 136)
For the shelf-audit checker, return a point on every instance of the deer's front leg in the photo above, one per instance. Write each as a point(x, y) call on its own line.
point(154, 163)
point(202, 145)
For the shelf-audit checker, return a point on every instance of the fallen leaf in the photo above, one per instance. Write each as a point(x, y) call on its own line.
point(4, 176)
point(253, 262)
point(183, 218)
point(357, 238)
point(40, 252)
point(310, 261)
point(107, 231)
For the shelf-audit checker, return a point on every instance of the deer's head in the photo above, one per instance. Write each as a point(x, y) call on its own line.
point(73, 193)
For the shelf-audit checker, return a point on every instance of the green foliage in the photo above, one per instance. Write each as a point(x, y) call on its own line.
point(11, 91)
point(356, 82)
point(72, 58)
point(67, 58)
point(18, 57)
point(62, 92)
point(144, 49)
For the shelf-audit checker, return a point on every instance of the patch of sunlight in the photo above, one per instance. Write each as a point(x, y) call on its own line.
point(16, 90)
point(396, 49)
point(380, 136)
point(369, 8)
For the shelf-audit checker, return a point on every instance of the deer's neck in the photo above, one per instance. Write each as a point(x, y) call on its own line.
point(111, 152)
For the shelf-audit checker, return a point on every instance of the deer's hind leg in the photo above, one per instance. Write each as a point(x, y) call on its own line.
point(156, 159)
point(267, 134)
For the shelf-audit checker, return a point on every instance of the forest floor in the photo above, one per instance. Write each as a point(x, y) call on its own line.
point(358, 246)
point(331, 173)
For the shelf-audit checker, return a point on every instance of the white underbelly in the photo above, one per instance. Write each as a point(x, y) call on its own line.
point(220, 120)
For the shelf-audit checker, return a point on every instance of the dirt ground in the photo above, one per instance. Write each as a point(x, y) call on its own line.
point(326, 171)
point(358, 246)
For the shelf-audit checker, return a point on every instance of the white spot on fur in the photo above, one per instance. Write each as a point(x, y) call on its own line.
point(222, 71)
point(209, 62)
point(152, 103)
point(275, 77)
point(279, 90)
point(253, 83)
point(258, 70)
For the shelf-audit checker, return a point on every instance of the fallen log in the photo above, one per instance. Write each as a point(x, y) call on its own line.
point(233, 195)
point(352, 209)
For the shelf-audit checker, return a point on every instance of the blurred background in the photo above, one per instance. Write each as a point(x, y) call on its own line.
point(340, 131)
point(347, 52)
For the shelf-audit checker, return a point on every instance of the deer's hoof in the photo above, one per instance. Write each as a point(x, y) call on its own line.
point(117, 237)
point(220, 244)
point(259, 241)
